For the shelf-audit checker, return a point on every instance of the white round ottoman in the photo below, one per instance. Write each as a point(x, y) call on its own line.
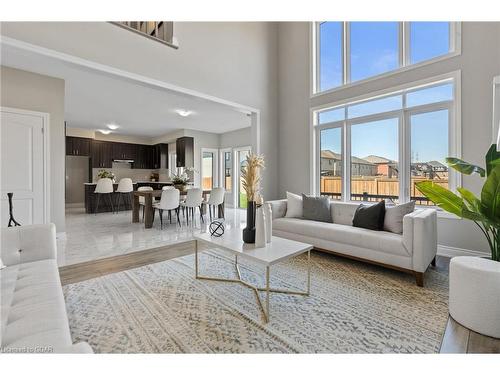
point(475, 294)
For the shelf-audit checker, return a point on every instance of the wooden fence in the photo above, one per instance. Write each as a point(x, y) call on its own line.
point(206, 183)
point(374, 187)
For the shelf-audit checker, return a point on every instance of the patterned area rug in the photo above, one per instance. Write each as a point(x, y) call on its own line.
point(353, 308)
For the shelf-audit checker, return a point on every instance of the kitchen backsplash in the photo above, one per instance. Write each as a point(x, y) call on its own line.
point(123, 170)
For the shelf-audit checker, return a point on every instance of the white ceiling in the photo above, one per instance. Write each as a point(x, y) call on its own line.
point(94, 99)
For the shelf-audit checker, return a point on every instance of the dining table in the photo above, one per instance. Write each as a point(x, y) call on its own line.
point(151, 195)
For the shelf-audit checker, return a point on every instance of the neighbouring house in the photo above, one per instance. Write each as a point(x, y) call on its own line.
point(385, 167)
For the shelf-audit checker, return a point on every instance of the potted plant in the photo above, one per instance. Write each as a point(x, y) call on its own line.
point(106, 174)
point(181, 180)
point(474, 282)
point(250, 174)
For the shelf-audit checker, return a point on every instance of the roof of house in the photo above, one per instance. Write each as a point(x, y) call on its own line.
point(328, 154)
point(375, 159)
point(436, 164)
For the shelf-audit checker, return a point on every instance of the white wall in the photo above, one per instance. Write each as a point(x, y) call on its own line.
point(479, 63)
point(35, 92)
point(232, 61)
point(236, 138)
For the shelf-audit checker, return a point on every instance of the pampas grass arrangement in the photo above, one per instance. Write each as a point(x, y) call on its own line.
point(251, 175)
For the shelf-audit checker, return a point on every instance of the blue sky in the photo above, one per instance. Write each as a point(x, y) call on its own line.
point(429, 138)
point(374, 50)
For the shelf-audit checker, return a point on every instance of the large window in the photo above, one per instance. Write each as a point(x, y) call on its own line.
point(374, 160)
point(348, 52)
point(331, 161)
point(387, 144)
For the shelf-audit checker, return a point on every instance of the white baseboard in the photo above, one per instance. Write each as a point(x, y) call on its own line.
point(450, 252)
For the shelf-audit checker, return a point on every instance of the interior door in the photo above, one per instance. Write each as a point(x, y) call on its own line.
point(22, 166)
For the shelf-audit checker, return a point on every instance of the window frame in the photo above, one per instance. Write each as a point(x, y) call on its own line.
point(404, 56)
point(404, 132)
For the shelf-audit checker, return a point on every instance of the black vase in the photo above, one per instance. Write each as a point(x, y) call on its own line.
point(249, 231)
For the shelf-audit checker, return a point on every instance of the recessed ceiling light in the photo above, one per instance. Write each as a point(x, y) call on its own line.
point(105, 131)
point(183, 112)
point(112, 126)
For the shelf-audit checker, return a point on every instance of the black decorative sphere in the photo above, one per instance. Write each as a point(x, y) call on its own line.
point(216, 228)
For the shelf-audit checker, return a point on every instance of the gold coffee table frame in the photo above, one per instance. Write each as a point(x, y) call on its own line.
point(256, 289)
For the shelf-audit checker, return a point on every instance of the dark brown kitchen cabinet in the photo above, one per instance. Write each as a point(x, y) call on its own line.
point(78, 146)
point(160, 156)
point(102, 154)
point(184, 149)
point(124, 151)
point(144, 157)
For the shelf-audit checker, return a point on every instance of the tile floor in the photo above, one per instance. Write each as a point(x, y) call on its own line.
point(90, 237)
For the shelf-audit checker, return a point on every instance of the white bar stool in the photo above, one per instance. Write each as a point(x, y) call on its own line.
point(104, 186)
point(125, 187)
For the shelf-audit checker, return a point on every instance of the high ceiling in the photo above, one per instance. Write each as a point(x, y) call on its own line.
point(94, 99)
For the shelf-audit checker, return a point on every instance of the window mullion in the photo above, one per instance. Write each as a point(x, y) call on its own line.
point(346, 50)
point(401, 42)
point(346, 162)
point(406, 43)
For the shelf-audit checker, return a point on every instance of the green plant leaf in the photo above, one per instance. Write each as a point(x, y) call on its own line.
point(471, 215)
point(441, 196)
point(464, 167)
point(490, 196)
point(473, 202)
point(492, 158)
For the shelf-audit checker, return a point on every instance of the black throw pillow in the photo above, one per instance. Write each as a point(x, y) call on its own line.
point(370, 217)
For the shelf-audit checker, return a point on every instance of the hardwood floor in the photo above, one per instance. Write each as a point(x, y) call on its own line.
point(87, 270)
point(458, 339)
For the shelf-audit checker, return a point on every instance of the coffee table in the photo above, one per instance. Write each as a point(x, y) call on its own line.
point(278, 250)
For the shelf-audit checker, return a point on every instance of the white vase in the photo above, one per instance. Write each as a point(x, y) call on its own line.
point(474, 299)
point(268, 217)
point(260, 228)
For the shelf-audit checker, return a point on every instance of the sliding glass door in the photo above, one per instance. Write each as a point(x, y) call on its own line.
point(240, 158)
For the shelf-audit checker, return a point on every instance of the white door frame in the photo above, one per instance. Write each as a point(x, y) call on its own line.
point(46, 153)
point(236, 174)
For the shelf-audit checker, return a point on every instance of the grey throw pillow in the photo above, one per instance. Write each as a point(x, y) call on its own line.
point(316, 208)
point(393, 221)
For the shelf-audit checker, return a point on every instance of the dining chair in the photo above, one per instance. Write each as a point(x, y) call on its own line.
point(104, 186)
point(215, 200)
point(169, 201)
point(125, 187)
point(142, 200)
point(194, 198)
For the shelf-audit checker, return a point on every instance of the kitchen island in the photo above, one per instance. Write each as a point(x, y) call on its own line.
point(104, 206)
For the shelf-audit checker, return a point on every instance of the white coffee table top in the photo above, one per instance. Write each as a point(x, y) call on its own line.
point(279, 249)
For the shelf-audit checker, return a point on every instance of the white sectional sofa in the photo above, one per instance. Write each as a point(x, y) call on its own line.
point(33, 312)
point(411, 252)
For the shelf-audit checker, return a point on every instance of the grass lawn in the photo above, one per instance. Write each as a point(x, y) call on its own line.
point(243, 200)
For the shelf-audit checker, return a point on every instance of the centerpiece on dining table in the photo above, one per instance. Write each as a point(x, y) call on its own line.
point(250, 174)
point(181, 180)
